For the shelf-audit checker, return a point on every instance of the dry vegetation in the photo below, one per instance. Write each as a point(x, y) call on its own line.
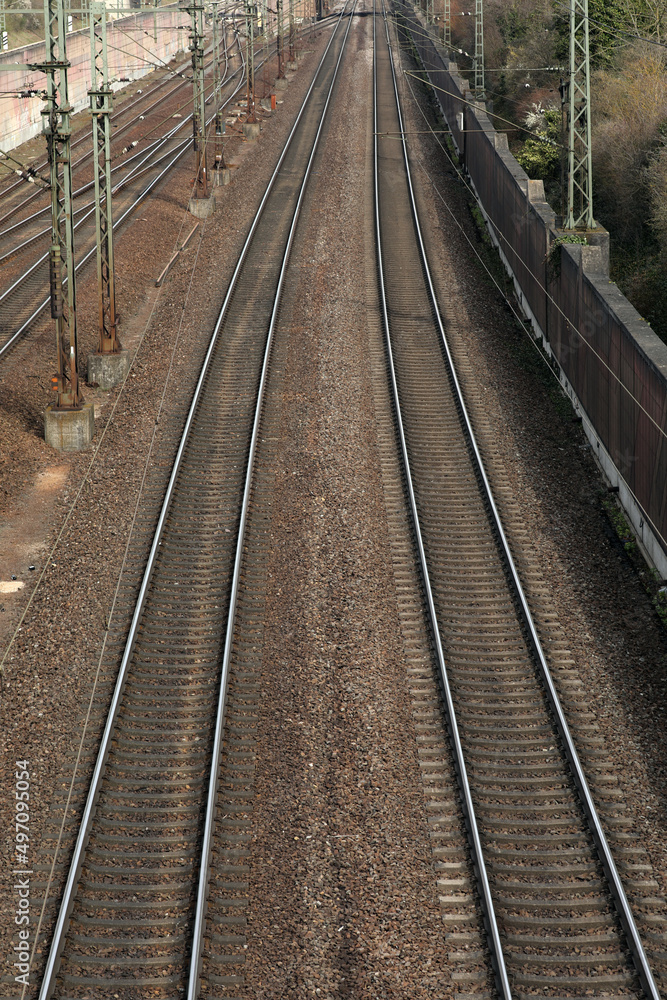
point(524, 40)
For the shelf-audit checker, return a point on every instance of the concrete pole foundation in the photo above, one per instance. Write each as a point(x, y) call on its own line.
point(69, 430)
point(281, 84)
point(221, 177)
point(108, 370)
point(251, 130)
point(201, 208)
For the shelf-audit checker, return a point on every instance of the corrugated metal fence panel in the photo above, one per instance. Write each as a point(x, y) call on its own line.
point(621, 383)
point(613, 360)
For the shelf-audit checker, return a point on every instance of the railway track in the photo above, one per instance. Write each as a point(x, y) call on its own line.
point(131, 921)
point(538, 876)
point(147, 115)
point(137, 883)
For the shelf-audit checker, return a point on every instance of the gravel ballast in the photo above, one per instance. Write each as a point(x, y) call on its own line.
point(343, 898)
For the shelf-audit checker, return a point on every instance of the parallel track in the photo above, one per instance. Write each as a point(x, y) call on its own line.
point(545, 885)
point(132, 916)
point(16, 196)
point(132, 920)
point(25, 298)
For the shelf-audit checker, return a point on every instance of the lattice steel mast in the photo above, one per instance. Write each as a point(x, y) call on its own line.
point(250, 15)
point(4, 37)
point(264, 7)
point(101, 106)
point(57, 130)
point(280, 43)
point(196, 11)
point(447, 25)
point(579, 213)
point(218, 30)
point(291, 42)
point(479, 50)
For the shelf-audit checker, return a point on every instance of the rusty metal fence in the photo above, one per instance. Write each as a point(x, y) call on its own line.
point(610, 360)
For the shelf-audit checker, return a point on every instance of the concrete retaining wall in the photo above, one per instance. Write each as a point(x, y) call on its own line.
point(609, 360)
point(133, 52)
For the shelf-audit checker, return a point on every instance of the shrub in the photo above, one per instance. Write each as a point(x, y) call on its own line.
point(540, 157)
point(629, 110)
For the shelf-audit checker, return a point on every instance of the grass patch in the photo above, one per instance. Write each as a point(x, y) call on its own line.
point(648, 576)
point(620, 525)
point(554, 256)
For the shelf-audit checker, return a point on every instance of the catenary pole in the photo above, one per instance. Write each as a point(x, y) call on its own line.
point(292, 51)
point(196, 11)
point(101, 106)
point(479, 50)
point(250, 14)
point(280, 39)
point(579, 209)
point(57, 129)
point(219, 128)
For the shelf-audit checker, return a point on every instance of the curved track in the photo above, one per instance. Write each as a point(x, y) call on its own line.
point(147, 109)
point(132, 916)
point(545, 885)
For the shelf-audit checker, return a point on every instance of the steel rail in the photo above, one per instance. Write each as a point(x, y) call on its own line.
point(615, 885)
point(7, 346)
point(467, 802)
point(136, 170)
point(169, 135)
point(209, 822)
point(89, 207)
point(58, 940)
point(132, 175)
point(152, 148)
point(83, 138)
point(119, 166)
